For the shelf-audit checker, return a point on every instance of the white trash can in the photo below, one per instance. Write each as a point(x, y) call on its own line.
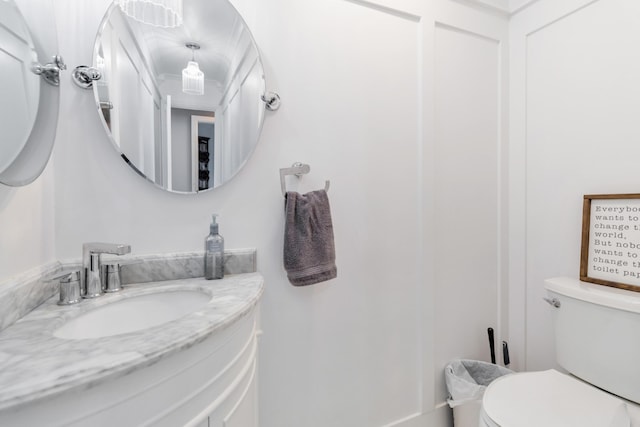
point(466, 382)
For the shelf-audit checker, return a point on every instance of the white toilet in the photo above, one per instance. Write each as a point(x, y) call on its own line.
point(597, 330)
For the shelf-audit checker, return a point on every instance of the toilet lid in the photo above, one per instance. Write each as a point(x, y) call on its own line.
point(551, 399)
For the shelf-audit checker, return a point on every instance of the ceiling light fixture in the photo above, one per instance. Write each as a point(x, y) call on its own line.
point(192, 77)
point(159, 13)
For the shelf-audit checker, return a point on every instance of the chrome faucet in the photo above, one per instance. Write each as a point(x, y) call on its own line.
point(91, 283)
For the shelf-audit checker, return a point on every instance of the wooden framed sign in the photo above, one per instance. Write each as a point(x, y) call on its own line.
point(610, 253)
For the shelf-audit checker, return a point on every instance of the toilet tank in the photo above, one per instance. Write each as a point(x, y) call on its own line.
point(597, 334)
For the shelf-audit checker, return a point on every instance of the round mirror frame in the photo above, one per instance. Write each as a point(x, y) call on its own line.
point(34, 155)
point(269, 101)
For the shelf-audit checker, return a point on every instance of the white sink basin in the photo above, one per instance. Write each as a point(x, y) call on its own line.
point(133, 314)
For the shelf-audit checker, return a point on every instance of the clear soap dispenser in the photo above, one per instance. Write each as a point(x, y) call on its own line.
point(214, 252)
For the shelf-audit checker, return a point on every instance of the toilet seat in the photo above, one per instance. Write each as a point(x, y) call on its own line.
point(551, 399)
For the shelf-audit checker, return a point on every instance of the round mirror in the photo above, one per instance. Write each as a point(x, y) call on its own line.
point(28, 105)
point(183, 106)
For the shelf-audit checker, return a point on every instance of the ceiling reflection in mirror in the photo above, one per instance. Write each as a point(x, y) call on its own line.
point(185, 134)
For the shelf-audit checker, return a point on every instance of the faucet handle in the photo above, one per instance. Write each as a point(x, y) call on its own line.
point(69, 287)
point(111, 278)
point(111, 281)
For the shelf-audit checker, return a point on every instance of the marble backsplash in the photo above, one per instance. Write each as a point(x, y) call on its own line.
point(172, 266)
point(22, 293)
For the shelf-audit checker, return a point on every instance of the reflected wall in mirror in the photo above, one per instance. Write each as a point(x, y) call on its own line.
point(148, 94)
point(28, 105)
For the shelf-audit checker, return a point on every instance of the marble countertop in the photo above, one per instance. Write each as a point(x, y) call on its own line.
point(35, 364)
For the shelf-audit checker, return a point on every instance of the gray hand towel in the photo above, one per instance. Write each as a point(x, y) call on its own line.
point(309, 251)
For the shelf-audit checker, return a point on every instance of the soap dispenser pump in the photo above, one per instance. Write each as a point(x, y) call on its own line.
point(214, 252)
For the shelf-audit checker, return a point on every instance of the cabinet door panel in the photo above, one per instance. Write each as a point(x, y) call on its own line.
point(245, 412)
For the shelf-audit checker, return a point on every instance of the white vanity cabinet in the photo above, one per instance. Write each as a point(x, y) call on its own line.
point(213, 383)
point(240, 408)
point(237, 405)
point(204, 376)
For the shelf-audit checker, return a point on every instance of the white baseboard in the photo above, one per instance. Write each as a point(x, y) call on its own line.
point(441, 416)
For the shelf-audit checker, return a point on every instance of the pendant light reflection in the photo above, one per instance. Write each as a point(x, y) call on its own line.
point(192, 77)
point(159, 13)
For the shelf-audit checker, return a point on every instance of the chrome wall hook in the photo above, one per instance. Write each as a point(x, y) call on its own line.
point(271, 101)
point(50, 72)
point(84, 76)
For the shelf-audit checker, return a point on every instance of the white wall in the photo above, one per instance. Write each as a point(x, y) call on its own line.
point(575, 108)
point(470, 143)
point(27, 225)
point(389, 104)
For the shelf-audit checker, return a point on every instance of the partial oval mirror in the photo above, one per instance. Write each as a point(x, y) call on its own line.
point(28, 105)
point(181, 105)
